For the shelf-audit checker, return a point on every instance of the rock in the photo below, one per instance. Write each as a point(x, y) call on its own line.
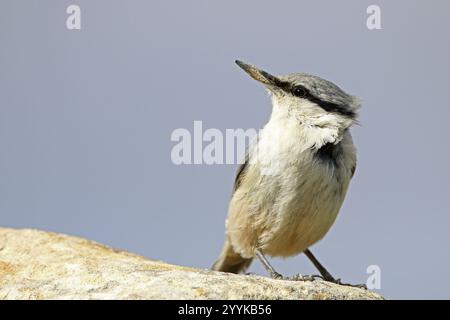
point(42, 265)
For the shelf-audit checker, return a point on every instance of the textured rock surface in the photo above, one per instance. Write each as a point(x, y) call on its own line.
point(42, 265)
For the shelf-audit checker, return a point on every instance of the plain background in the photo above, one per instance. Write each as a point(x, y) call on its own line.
point(86, 118)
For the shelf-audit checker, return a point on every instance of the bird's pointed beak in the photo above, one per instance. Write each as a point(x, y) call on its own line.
point(259, 75)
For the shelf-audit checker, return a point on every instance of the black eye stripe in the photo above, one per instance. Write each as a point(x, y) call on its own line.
point(302, 92)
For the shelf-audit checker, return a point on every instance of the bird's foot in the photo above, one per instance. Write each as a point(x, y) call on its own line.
point(313, 277)
point(339, 281)
point(301, 277)
point(276, 275)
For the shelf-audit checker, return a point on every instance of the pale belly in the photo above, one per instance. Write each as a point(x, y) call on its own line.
point(302, 215)
point(284, 210)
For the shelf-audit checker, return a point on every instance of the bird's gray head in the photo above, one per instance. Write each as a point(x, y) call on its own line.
point(306, 94)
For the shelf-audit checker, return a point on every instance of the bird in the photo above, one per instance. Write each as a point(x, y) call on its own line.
point(297, 170)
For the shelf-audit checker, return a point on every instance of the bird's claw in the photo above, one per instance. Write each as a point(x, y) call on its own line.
point(314, 277)
point(276, 276)
point(300, 277)
point(339, 282)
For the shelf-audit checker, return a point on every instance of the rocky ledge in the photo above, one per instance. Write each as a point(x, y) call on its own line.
point(43, 265)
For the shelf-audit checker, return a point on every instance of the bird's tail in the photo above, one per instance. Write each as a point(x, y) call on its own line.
point(230, 261)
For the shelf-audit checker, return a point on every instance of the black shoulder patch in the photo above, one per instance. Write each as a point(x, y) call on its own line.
point(329, 153)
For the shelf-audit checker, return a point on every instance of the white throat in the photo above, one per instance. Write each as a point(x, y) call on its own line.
point(307, 122)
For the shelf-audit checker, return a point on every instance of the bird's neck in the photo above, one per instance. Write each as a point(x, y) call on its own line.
point(311, 126)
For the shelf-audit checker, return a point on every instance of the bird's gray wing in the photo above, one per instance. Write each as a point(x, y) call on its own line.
point(353, 170)
point(244, 167)
point(240, 173)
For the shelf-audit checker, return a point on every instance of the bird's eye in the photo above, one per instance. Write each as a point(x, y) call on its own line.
point(300, 92)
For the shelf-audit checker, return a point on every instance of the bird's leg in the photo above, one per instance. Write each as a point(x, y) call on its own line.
point(324, 272)
point(266, 264)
